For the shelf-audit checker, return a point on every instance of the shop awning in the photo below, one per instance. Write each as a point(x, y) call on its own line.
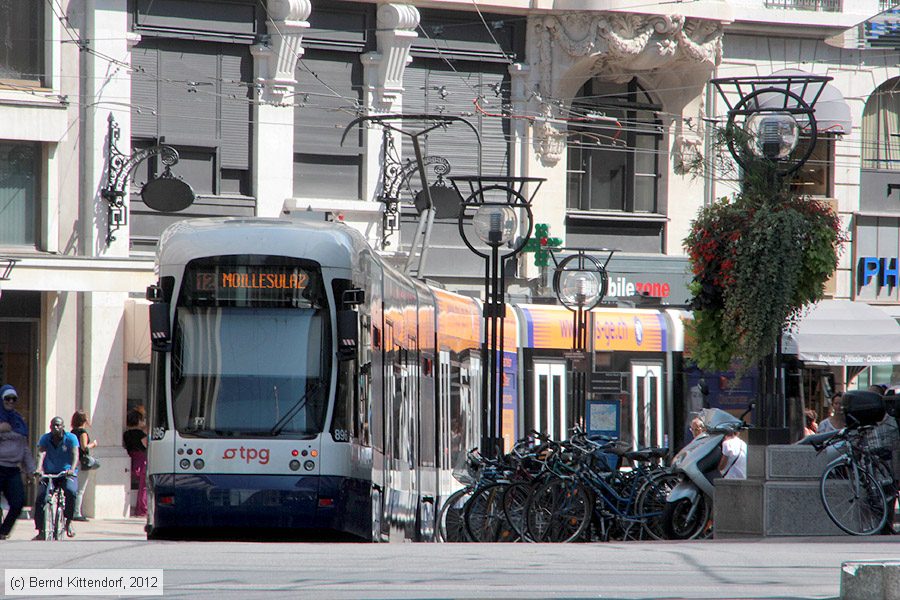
point(831, 110)
point(844, 333)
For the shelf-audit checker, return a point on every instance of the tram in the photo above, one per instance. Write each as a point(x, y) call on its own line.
point(301, 383)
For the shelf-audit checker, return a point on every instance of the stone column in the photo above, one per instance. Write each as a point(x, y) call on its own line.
point(107, 87)
point(273, 134)
point(100, 363)
point(383, 93)
point(103, 391)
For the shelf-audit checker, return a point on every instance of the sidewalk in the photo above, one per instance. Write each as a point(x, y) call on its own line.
point(94, 529)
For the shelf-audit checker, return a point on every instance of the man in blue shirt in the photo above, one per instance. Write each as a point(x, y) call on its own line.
point(58, 454)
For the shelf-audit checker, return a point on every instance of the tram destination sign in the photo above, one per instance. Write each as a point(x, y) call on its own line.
point(265, 280)
point(266, 284)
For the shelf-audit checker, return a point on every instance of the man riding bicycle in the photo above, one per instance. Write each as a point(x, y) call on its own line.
point(58, 454)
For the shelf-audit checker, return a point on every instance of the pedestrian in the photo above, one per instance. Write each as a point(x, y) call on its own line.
point(809, 426)
point(79, 424)
point(58, 455)
point(14, 455)
point(733, 464)
point(836, 420)
point(697, 427)
point(135, 441)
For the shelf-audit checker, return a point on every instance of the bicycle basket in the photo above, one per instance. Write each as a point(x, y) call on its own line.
point(468, 473)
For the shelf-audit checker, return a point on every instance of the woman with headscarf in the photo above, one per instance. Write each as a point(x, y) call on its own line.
point(14, 454)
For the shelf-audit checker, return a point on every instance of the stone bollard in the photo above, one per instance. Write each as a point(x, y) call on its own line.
point(870, 580)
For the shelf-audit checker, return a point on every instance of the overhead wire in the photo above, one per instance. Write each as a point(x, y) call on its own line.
point(355, 101)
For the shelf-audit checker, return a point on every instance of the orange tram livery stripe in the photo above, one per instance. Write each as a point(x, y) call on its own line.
point(552, 327)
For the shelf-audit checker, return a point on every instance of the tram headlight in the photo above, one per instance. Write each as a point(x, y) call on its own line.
point(199, 464)
point(309, 465)
point(185, 463)
point(294, 465)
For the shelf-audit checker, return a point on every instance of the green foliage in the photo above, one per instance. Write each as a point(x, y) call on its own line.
point(757, 260)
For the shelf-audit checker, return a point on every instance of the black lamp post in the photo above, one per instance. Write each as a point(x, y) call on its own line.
point(580, 282)
point(499, 212)
point(763, 130)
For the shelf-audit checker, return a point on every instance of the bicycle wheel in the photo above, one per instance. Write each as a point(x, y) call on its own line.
point(59, 520)
point(651, 503)
point(515, 501)
point(853, 499)
point(451, 525)
point(484, 517)
point(50, 516)
point(558, 511)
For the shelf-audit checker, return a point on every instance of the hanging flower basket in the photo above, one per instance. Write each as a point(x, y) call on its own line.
point(757, 260)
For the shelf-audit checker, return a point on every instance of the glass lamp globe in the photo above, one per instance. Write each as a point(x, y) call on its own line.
point(772, 135)
point(495, 224)
point(579, 288)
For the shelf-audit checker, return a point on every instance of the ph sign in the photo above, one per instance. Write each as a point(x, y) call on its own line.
point(884, 270)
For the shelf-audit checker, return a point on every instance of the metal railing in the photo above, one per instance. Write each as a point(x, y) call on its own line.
point(816, 5)
point(884, 5)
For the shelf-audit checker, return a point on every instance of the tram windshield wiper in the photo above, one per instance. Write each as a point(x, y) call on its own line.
point(300, 404)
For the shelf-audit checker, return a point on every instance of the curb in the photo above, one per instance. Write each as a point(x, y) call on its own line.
point(870, 580)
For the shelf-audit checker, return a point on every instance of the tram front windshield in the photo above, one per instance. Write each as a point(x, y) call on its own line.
point(252, 347)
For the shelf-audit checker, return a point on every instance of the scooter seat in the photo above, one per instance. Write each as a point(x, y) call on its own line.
point(647, 454)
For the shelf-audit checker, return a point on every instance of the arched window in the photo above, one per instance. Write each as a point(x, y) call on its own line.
point(881, 128)
point(614, 144)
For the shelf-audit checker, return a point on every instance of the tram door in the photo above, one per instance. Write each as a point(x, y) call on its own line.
point(647, 408)
point(551, 404)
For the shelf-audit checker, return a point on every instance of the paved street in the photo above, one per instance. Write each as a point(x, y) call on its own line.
point(779, 568)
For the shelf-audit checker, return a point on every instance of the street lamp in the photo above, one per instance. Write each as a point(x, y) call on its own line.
point(580, 282)
point(764, 128)
point(165, 193)
point(498, 213)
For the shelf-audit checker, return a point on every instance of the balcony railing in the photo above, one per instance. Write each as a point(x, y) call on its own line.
point(818, 5)
point(884, 5)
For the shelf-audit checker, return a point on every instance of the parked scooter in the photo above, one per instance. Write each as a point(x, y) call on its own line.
point(689, 505)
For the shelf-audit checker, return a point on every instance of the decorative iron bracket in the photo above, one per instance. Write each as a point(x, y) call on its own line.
point(118, 170)
point(395, 174)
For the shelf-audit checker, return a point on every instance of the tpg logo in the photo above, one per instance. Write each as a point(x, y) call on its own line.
point(247, 454)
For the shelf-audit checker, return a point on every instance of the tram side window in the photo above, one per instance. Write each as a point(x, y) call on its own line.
point(345, 402)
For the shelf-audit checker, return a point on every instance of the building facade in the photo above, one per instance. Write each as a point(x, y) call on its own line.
point(609, 104)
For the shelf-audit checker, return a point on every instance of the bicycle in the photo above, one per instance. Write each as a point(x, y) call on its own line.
point(478, 472)
point(54, 507)
point(857, 488)
point(621, 504)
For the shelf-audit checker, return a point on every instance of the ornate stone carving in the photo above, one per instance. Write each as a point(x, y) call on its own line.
point(549, 140)
point(687, 152)
point(395, 34)
point(622, 44)
point(277, 59)
point(565, 50)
